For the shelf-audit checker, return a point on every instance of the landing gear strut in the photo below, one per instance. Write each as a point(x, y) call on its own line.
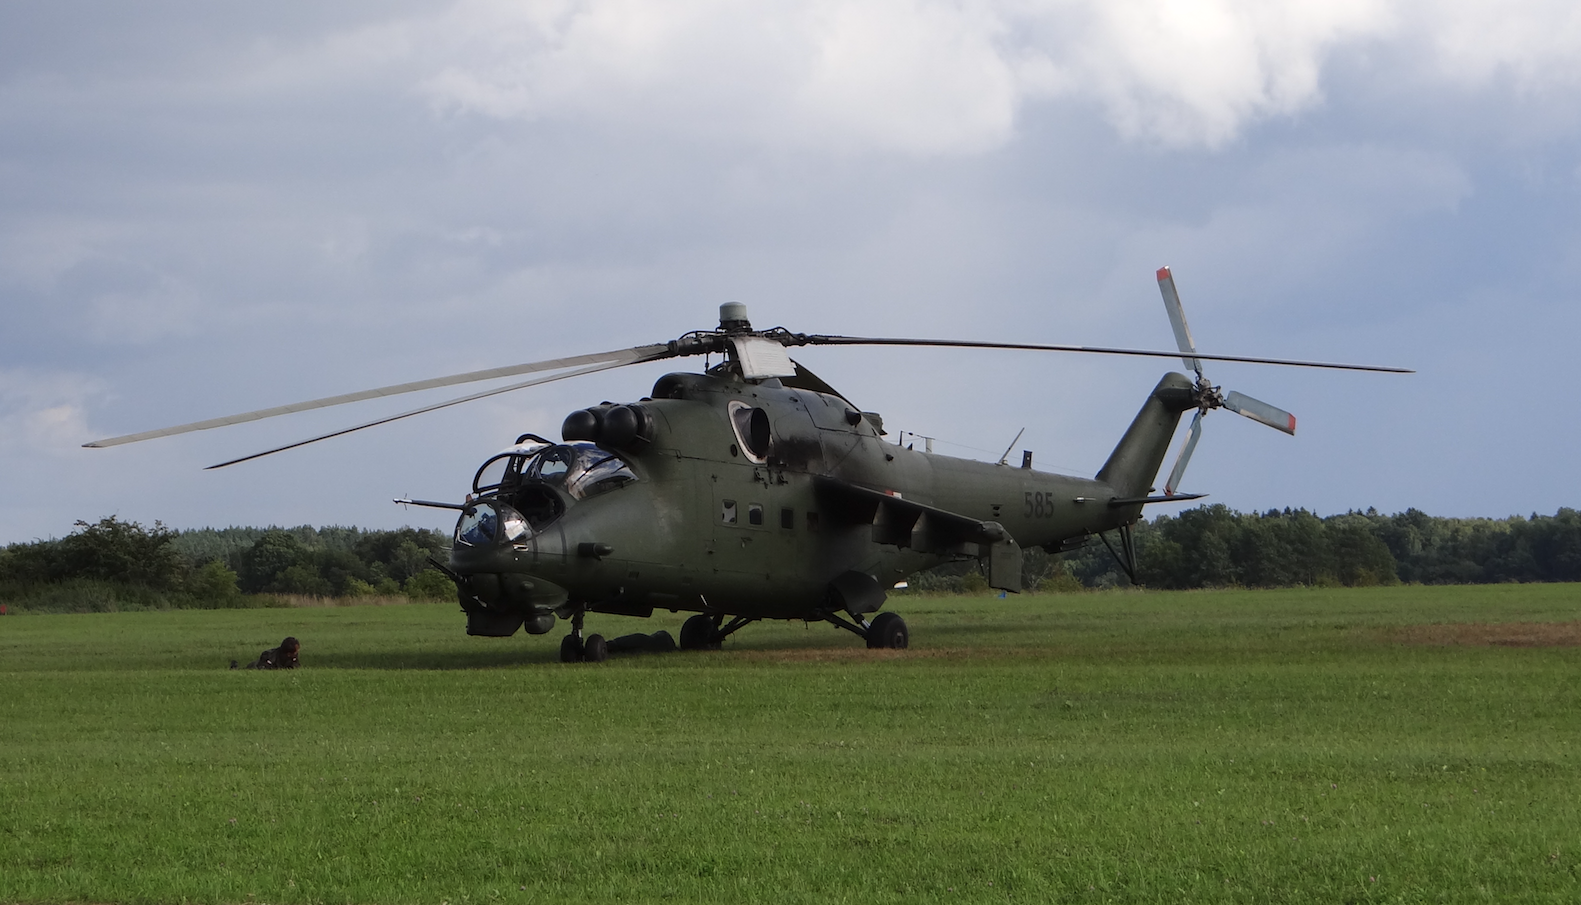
point(704, 632)
point(574, 649)
point(887, 631)
point(1126, 555)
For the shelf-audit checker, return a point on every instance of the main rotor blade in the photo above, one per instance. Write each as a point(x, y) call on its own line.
point(604, 366)
point(1177, 319)
point(614, 358)
point(1273, 416)
point(1179, 471)
point(826, 340)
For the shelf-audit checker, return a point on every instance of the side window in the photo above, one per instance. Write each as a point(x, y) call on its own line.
point(755, 514)
point(727, 512)
point(787, 518)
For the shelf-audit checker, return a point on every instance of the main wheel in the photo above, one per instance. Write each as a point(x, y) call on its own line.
point(700, 632)
point(888, 631)
point(570, 650)
point(595, 649)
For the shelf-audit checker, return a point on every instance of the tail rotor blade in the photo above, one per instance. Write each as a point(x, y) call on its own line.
point(1177, 319)
point(1179, 470)
point(1273, 416)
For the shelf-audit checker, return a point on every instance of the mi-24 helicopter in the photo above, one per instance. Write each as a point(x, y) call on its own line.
point(754, 490)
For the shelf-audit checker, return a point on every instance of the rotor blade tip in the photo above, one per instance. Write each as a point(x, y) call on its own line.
point(1163, 273)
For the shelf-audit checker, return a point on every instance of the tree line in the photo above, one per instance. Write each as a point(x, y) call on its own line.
point(1215, 546)
point(113, 564)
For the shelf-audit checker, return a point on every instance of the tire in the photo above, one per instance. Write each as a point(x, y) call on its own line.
point(888, 632)
point(570, 650)
point(595, 649)
point(700, 632)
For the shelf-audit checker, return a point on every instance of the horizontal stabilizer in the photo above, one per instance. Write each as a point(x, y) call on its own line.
point(1149, 500)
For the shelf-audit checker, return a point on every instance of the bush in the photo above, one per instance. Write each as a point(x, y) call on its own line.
point(213, 581)
point(356, 587)
point(430, 584)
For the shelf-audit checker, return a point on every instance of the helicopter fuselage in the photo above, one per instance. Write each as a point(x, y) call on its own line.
point(742, 498)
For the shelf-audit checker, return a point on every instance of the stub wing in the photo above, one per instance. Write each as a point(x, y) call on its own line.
point(926, 529)
point(903, 522)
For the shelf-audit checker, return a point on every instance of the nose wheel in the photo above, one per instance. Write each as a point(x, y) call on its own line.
point(575, 649)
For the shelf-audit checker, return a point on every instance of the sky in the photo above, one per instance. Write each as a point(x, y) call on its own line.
point(211, 208)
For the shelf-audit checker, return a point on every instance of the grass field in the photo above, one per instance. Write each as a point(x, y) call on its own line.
point(1383, 745)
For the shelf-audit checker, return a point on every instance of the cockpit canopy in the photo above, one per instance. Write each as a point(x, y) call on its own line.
point(581, 470)
point(527, 487)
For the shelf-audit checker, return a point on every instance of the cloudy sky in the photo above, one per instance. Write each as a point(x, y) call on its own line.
point(209, 208)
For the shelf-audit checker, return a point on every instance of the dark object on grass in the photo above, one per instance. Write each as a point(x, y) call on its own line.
point(660, 642)
point(282, 657)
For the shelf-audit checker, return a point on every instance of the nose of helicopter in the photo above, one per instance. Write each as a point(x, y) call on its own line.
point(491, 557)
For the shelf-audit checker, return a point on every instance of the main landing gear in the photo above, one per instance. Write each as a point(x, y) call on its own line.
point(887, 631)
point(705, 632)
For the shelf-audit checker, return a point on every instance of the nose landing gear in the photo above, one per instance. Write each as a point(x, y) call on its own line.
point(574, 649)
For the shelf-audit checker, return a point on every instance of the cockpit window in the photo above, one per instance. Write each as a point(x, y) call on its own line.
point(504, 470)
point(552, 465)
point(492, 474)
point(606, 472)
point(581, 469)
point(483, 523)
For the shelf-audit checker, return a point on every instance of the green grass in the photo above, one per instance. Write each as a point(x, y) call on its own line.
point(1203, 746)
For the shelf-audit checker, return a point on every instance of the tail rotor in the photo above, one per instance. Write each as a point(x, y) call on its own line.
point(1205, 394)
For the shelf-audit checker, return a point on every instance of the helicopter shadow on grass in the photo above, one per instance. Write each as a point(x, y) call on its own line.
point(444, 659)
point(435, 660)
point(441, 660)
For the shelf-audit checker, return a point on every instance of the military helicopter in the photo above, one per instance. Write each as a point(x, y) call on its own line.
point(754, 490)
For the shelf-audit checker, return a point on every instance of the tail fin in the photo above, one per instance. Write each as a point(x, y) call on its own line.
point(1133, 466)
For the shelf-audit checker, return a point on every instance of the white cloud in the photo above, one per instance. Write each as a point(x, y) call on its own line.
point(893, 75)
point(1197, 73)
point(926, 77)
point(1534, 43)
